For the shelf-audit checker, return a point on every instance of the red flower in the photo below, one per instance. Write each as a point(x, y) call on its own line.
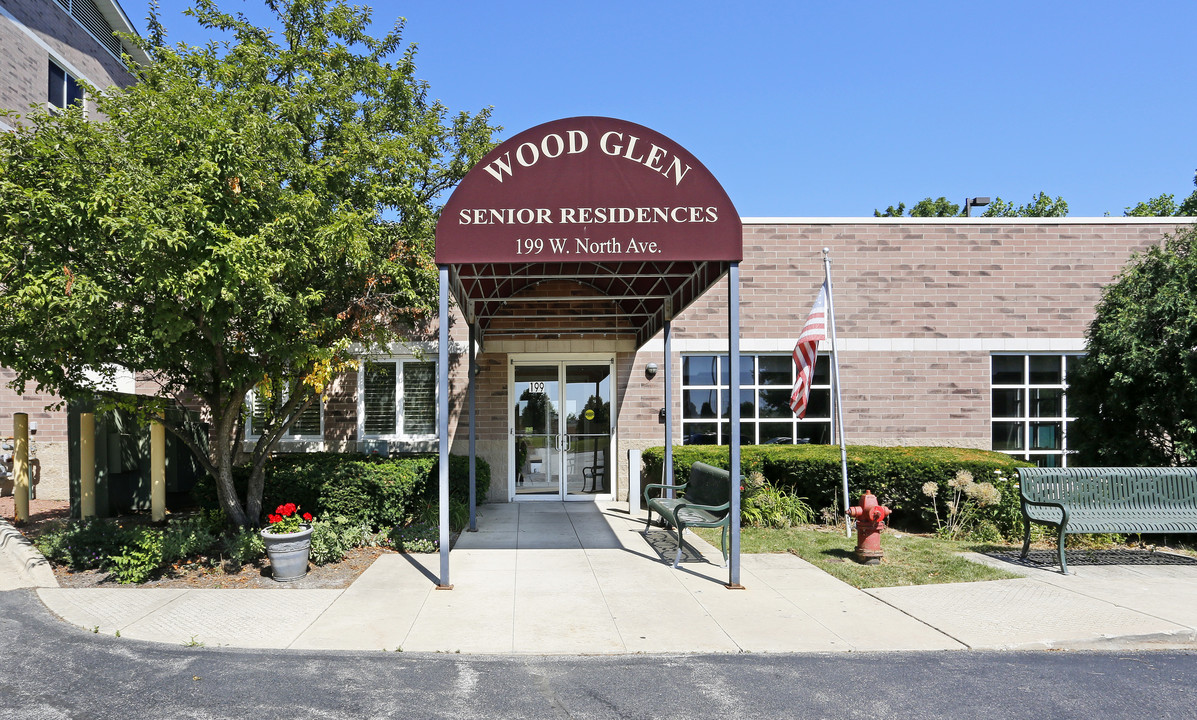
point(307, 517)
point(281, 510)
point(290, 509)
point(274, 518)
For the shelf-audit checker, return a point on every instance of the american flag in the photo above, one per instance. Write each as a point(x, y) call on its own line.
point(806, 351)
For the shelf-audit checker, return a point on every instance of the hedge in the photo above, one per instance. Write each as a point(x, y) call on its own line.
point(896, 475)
point(376, 491)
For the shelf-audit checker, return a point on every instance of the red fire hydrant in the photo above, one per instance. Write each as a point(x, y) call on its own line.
point(870, 520)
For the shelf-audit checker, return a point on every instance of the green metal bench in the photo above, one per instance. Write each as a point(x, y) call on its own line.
point(706, 502)
point(1107, 500)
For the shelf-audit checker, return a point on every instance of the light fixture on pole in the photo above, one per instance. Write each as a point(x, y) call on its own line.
point(970, 203)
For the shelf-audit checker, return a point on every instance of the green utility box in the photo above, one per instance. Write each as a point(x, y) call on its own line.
point(122, 445)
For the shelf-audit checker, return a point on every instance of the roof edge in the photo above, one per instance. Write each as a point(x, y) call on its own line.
point(1167, 220)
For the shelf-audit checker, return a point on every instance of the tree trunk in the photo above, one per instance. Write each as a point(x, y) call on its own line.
point(222, 451)
point(256, 487)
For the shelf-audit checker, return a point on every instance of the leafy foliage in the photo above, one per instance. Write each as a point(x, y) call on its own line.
point(1165, 205)
point(85, 545)
point(1135, 391)
point(1041, 205)
point(762, 505)
point(418, 537)
point(375, 492)
point(896, 475)
point(246, 212)
point(939, 207)
point(331, 539)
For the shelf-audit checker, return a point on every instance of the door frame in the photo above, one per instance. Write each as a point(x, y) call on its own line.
point(560, 360)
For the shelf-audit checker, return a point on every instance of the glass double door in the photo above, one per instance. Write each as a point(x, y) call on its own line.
point(561, 430)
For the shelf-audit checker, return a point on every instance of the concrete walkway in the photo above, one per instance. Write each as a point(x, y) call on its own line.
point(579, 578)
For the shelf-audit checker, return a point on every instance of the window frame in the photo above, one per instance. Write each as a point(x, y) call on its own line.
point(69, 81)
point(286, 437)
point(1026, 419)
point(752, 360)
point(398, 435)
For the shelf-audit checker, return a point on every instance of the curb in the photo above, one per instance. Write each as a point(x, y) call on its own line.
point(34, 567)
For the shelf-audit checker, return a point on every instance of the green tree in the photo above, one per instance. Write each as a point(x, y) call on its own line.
point(1041, 205)
point(1161, 206)
point(1135, 392)
point(939, 207)
point(247, 212)
point(1165, 205)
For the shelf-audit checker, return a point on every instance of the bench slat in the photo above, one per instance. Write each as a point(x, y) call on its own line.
point(1108, 500)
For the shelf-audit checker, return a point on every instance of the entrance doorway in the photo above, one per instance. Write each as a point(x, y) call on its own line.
point(561, 430)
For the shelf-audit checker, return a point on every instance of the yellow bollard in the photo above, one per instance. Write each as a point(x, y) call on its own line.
point(87, 465)
point(157, 472)
point(20, 464)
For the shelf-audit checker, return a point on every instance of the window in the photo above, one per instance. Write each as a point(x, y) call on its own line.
point(397, 399)
point(765, 416)
point(64, 90)
point(1030, 407)
point(308, 426)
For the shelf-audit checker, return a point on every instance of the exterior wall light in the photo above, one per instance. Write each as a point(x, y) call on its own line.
point(650, 370)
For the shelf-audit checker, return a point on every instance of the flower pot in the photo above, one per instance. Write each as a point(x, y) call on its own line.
point(288, 553)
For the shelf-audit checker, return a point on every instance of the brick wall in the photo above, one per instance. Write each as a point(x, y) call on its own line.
point(44, 29)
point(920, 306)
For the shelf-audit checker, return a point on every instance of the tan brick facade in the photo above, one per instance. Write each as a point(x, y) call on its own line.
point(33, 32)
point(920, 307)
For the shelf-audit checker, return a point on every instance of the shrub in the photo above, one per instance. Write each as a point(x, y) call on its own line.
point(762, 505)
point(895, 475)
point(459, 514)
point(141, 559)
point(417, 538)
point(188, 536)
point(331, 539)
point(85, 545)
point(241, 548)
point(366, 490)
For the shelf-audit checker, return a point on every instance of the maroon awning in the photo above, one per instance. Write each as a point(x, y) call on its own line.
point(582, 226)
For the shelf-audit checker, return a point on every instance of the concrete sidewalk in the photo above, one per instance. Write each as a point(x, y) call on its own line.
point(576, 578)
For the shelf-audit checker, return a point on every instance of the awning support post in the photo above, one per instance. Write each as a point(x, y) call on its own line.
point(442, 420)
point(733, 370)
point(473, 431)
point(667, 463)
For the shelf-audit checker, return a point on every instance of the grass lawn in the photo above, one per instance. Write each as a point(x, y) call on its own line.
point(909, 559)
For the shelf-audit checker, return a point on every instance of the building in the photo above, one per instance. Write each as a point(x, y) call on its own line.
point(954, 331)
point(50, 47)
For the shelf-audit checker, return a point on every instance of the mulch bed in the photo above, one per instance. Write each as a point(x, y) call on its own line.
point(44, 514)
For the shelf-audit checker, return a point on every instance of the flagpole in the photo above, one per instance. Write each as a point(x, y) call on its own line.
point(835, 383)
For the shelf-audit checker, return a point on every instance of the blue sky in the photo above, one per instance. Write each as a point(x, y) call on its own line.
point(814, 109)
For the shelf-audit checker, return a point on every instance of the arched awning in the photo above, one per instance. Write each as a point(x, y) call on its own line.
point(584, 227)
point(633, 221)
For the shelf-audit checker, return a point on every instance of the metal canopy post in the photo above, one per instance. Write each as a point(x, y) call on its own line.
point(473, 431)
point(733, 369)
point(442, 420)
point(667, 465)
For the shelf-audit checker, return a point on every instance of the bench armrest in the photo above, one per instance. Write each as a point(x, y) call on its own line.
point(1060, 506)
point(650, 486)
